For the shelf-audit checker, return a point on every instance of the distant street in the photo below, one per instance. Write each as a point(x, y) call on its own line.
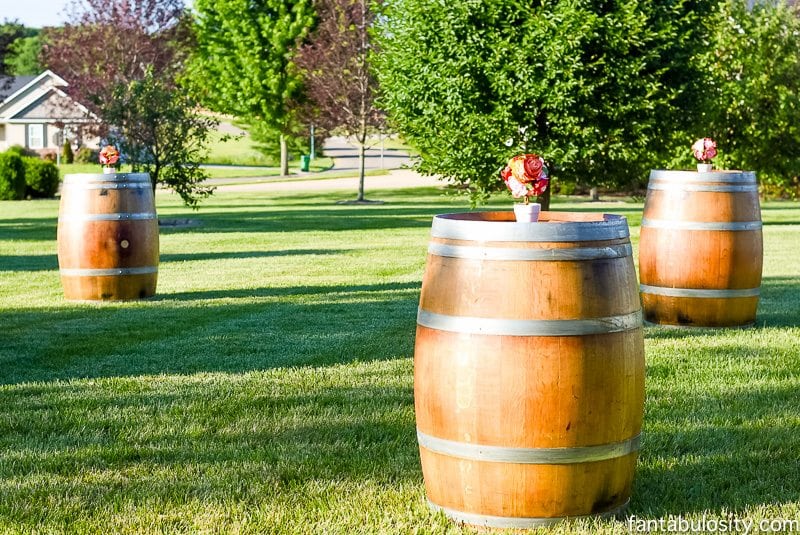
point(345, 155)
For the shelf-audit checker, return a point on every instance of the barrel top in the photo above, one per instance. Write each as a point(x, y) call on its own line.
point(722, 176)
point(551, 227)
point(91, 178)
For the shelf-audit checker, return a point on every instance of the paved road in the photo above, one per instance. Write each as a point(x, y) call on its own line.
point(345, 155)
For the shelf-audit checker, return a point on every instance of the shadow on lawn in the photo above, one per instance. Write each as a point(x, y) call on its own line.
point(28, 262)
point(778, 306)
point(718, 452)
point(175, 334)
point(188, 257)
point(249, 440)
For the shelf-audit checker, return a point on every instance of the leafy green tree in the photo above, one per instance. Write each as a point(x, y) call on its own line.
point(159, 131)
point(244, 60)
point(10, 32)
point(752, 98)
point(598, 88)
point(23, 57)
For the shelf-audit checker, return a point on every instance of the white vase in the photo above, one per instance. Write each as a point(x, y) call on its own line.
point(109, 170)
point(704, 167)
point(527, 213)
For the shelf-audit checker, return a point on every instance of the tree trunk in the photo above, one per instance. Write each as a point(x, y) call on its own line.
point(361, 165)
point(544, 199)
point(284, 156)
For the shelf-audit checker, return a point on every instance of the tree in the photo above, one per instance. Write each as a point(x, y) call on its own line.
point(23, 57)
point(10, 31)
point(752, 101)
point(122, 60)
point(244, 60)
point(339, 84)
point(110, 42)
point(597, 88)
point(159, 130)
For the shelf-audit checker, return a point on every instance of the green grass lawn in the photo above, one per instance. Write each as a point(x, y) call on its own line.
point(267, 388)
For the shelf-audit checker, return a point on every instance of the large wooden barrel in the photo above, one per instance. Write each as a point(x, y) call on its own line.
point(107, 237)
point(700, 249)
point(528, 368)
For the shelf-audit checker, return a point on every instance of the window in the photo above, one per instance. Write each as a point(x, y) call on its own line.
point(35, 136)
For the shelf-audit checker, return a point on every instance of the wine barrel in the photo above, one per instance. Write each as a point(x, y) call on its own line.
point(107, 237)
point(700, 249)
point(528, 368)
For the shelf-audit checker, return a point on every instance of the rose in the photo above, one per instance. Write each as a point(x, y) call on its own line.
point(704, 149)
point(109, 155)
point(525, 175)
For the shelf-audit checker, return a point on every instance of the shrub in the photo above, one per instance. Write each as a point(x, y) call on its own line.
point(67, 155)
point(86, 155)
point(12, 176)
point(19, 150)
point(41, 178)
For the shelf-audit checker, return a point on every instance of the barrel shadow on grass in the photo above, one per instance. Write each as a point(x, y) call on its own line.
point(28, 262)
point(189, 257)
point(30, 229)
point(778, 306)
point(257, 443)
point(318, 326)
point(718, 452)
point(283, 291)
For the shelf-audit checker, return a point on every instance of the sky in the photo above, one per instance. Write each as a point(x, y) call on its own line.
point(34, 13)
point(37, 13)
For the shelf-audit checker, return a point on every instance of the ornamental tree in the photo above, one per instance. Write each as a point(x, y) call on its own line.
point(122, 60)
point(111, 42)
point(244, 60)
point(599, 89)
point(338, 81)
point(159, 129)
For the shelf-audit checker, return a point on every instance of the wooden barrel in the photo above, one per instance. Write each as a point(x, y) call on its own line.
point(107, 237)
point(700, 250)
point(528, 368)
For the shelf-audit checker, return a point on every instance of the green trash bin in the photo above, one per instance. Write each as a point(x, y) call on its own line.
point(305, 160)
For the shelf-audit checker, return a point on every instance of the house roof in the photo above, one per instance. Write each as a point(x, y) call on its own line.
point(37, 99)
point(11, 84)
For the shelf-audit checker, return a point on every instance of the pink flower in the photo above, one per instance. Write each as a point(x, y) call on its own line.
point(518, 189)
point(109, 155)
point(704, 149)
point(525, 175)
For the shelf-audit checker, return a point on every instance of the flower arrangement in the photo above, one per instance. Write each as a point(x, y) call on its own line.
point(705, 149)
point(525, 175)
point(109, 156)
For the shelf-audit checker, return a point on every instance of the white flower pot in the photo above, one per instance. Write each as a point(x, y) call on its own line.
point(704, 167)
point(109, 170)
point(527, 213)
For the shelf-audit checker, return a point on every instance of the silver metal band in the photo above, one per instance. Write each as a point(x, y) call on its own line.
point(119, 216)
point(725, 177)
point(503, 253)
point(109, 272)
point(516, 522)
point(690, 292)
point(677, 186)
point(699, 225)
point(113, 185)
point(89, 178)
point(506, 327)
point(494, 227)
point(499, 454)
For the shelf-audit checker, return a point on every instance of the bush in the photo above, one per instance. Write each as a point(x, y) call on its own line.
point(41, 178)
point(67, 155)
point(19, 150)
point(86, 155)
point(12, 176)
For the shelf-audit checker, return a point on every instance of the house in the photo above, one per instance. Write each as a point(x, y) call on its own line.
point(37, 114)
